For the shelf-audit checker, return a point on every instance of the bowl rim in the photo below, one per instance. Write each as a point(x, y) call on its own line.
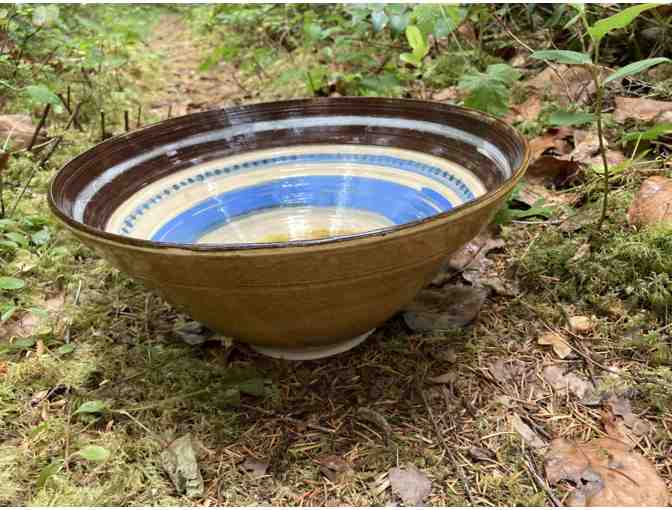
point(504, 187)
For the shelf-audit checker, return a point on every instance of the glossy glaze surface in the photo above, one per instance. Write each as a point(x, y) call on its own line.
point(260, 268)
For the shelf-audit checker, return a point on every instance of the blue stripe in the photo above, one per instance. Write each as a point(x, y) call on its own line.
point(456, 185)
point(398, 203)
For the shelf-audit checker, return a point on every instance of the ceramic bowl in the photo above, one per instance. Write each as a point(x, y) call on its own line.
point(295, 226)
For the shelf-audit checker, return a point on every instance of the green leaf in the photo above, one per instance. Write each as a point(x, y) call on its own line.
point(620, 20)
point(41, 94)
point(254, 387)
point(650, 134)
point(4, 243)
point(636, 67)
point(313, 31)
point(94, 453)
point(19, 239)
point(562, 56)
point(65, 349)
point(379, 20)
point(399, 22)
point(410, 58)
point(10, 283)
point(47, 472)
point(417, 42)
point(490, 91)
point(91, 407)
point(41, 237)
point(7, 313)
point(565, 118)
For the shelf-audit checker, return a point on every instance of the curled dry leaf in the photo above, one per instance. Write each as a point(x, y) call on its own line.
point(505, 370)
point(553, 138)
point(470, 255)
point(581, 324)
point(620, 407)
point(411, 484)
point(255, 467)
point(557, 342)
point(333, 466)
point(652, 203)
point(528, 111)
point(19, 130)
point(606, 472)
point(560, 380)
point(450, 307)
point(642, 109)
point(525, 431)
point(179, 461)
point(566, 84)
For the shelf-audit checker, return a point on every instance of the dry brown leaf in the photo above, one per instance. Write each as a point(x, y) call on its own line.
point(606, 472)
point(19, 129)
point(504, 370)
point(580, 324)
point(333, 466)
point(255, 467)
point(613, 158)
point(552, 171)
point(620, 407)
point(31, 323)
point(411, 484)
point(652, 203)
point(529, 436)
point(447, 94)
point(586, 145)
point(553, 138)
point(557, 342)
point(559, 380)
point(527, 111)
point(450, 307)
point(472, 253)
point(566, 84)
point(642, 109)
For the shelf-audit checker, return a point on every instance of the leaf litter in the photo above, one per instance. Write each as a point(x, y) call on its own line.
point(411, 484)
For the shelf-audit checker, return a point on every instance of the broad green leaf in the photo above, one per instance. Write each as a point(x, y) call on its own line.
point(91, 407)
point(65, 349)
point(11, 283)
point(650, 134)
point(620, 20)
point(379, 19)
point(254, 387)
point(41, 94)
point(564, 118)
point(410, 58)
point(19, 239)
point(47, 472)
point(636, 67)
point(313, 31)
point(399, 22)
point(22, 344)
point(41, 237)
point(5, 243)
point(94, 453)
point(490, 91)
point(417, 42)
point(562, 56)
point(7, 313)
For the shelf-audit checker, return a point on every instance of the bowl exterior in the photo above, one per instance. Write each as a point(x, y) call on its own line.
point(303, 296)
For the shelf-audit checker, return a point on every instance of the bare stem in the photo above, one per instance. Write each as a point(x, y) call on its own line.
point(598, 115)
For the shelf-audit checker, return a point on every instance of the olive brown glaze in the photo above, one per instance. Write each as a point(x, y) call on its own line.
point(305, 293)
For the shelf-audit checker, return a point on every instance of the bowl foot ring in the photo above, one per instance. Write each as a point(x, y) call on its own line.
point(309, 353)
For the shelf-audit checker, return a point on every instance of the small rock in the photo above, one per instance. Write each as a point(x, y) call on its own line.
point(580, 324)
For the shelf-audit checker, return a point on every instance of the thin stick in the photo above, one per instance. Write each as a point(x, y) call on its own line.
point(43, 119)
point(73, 118)
point(102, 125)
point(170, 111)
point(67, 104)
point(4, 159)
point(539, 481)
point(449, 452)
point(66, 450)
point(288, 419)
point(127, 126)
point(137, 122)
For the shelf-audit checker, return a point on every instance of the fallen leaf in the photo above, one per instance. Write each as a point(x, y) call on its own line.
point(448, 94)
point(452, 306)
point(19, 129)
point(529, 436)
point(527, 111)
point(586, 145)
point(179, 461)
point(257, 468)
point(606, 472)
point(533, 192)
point(376, 419)
point(642, 109)
point(652, 203)
point(553, 138)
point(33, 322)
point(565, 84)
point(557, 342)
point(580, 324)
point(553, 171)
point(411, 484)
point(481, 454)
point(472, 252)
point(505, 370)
point(333, 466)
point(559, 380)
point(614, 158)
point(620, 407)
point(446, 378)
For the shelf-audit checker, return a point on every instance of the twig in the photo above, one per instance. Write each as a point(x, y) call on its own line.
point(66, 433)
point(43, 119)
point(137, 122)
point(73, 118)
point(288, 419)
point(449, 452)
point(102, 126)
point(32, 174)
point(4, 159)
point(170, 111)
point(539, 481)
point(127, 125)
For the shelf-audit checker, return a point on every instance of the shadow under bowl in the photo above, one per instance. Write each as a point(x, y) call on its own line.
point(294, 226)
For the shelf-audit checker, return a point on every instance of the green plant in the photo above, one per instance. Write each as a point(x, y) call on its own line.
point(597, 31)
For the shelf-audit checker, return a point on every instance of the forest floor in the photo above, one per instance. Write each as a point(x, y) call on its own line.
point(466, 414)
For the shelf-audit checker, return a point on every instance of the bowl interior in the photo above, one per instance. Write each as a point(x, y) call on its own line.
point(287, 171)
point(296, 193)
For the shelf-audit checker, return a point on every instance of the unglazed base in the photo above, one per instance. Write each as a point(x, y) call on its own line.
point(309, 353)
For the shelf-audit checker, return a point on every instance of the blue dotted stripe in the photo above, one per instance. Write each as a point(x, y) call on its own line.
point(455, 184)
